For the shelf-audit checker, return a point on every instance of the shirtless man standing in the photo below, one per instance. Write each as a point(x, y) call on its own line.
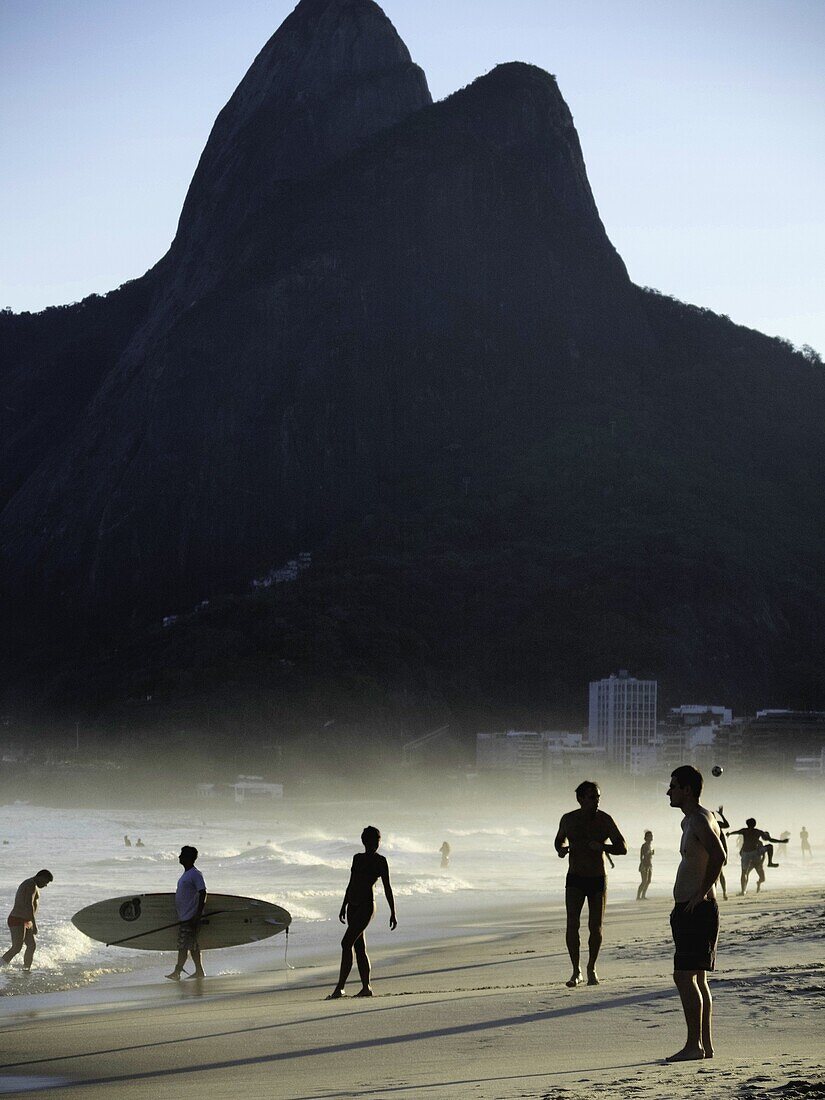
point(753, 852)
point(695, 917)
point(585, 830)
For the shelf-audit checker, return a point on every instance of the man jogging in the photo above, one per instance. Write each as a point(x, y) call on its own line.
point(582, 833)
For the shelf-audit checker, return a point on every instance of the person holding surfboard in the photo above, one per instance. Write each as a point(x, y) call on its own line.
point(582, 834)
point(358, 909)
point(190, 898)
point(22, 919)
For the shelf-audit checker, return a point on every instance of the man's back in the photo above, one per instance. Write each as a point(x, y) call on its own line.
point(25, 900)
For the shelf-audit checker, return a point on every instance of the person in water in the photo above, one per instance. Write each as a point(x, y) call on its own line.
point(645, 866)
point(585, 831)
point(445, 854)
point(22, 919)
point(358, 909)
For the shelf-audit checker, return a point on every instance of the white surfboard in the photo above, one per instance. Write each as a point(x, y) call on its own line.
point(149, 922)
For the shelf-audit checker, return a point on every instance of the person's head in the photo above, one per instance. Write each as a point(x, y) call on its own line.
point(43, 878)
point(648, 835)
point(685, 786)
point(187, 856)
point(371, 838)
point(588, 795)
point(751, 822)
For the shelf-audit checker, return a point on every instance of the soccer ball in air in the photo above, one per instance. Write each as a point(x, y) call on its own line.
point(716, 770)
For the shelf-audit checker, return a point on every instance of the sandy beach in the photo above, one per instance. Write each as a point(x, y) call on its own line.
point(482, 1014)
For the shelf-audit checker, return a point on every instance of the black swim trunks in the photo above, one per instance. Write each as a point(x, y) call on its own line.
point(695, 935)
point(592, 886)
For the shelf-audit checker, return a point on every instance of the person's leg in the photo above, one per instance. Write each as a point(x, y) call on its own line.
point(691, 998)
point(769, 853)
point(28, 954)
point(195, 952)
point(574, 903)
point(707, 1012)
point(18, 933)
point(647, 879)
point(595, 919)
point(179, 965)
point(760, 874)
point(723, 885)
point(363, 961)
point(744, 880)
point(354, 932)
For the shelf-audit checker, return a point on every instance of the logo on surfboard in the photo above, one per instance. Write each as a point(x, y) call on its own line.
point(130, 910)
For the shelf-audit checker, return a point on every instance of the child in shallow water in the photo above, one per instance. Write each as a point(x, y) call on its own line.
point(358, 909)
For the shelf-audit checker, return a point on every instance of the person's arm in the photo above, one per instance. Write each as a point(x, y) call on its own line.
point(385, 879)
point(342, 916)
point(561, 848)
point(201, 903)
point(618, 845)
point(736, 832)
point(34, 897)
point(774, 839)
point(716, 859)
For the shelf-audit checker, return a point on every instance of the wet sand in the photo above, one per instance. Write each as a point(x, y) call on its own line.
point(484, 1015)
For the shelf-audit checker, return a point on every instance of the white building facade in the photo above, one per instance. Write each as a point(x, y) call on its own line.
point(623, 719)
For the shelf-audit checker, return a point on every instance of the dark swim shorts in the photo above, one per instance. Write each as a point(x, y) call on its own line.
point(592, 886)
point(695, 935)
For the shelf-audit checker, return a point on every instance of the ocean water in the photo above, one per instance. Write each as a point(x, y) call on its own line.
point(299, 857)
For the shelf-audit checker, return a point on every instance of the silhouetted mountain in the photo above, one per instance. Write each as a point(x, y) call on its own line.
point(396, 335)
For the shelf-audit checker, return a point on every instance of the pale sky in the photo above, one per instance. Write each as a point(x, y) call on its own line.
point(702, 124)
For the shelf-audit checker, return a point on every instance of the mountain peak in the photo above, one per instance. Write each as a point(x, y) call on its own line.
point(334, 74)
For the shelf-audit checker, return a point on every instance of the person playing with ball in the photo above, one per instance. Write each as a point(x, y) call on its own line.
point(754, 850)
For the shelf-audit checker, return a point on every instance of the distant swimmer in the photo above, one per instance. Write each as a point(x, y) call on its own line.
point(806, 844)
point(445, 854)
point(140, 843)
point(694, 921)
point(190, 898)
point(753, 852)
point(22, 919)
point(645, 866)
point(723, 823)
point(582, 833)
point(358, 909)
point(127, 842)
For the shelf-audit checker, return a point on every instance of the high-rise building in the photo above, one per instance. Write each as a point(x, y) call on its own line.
point(623, 719)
